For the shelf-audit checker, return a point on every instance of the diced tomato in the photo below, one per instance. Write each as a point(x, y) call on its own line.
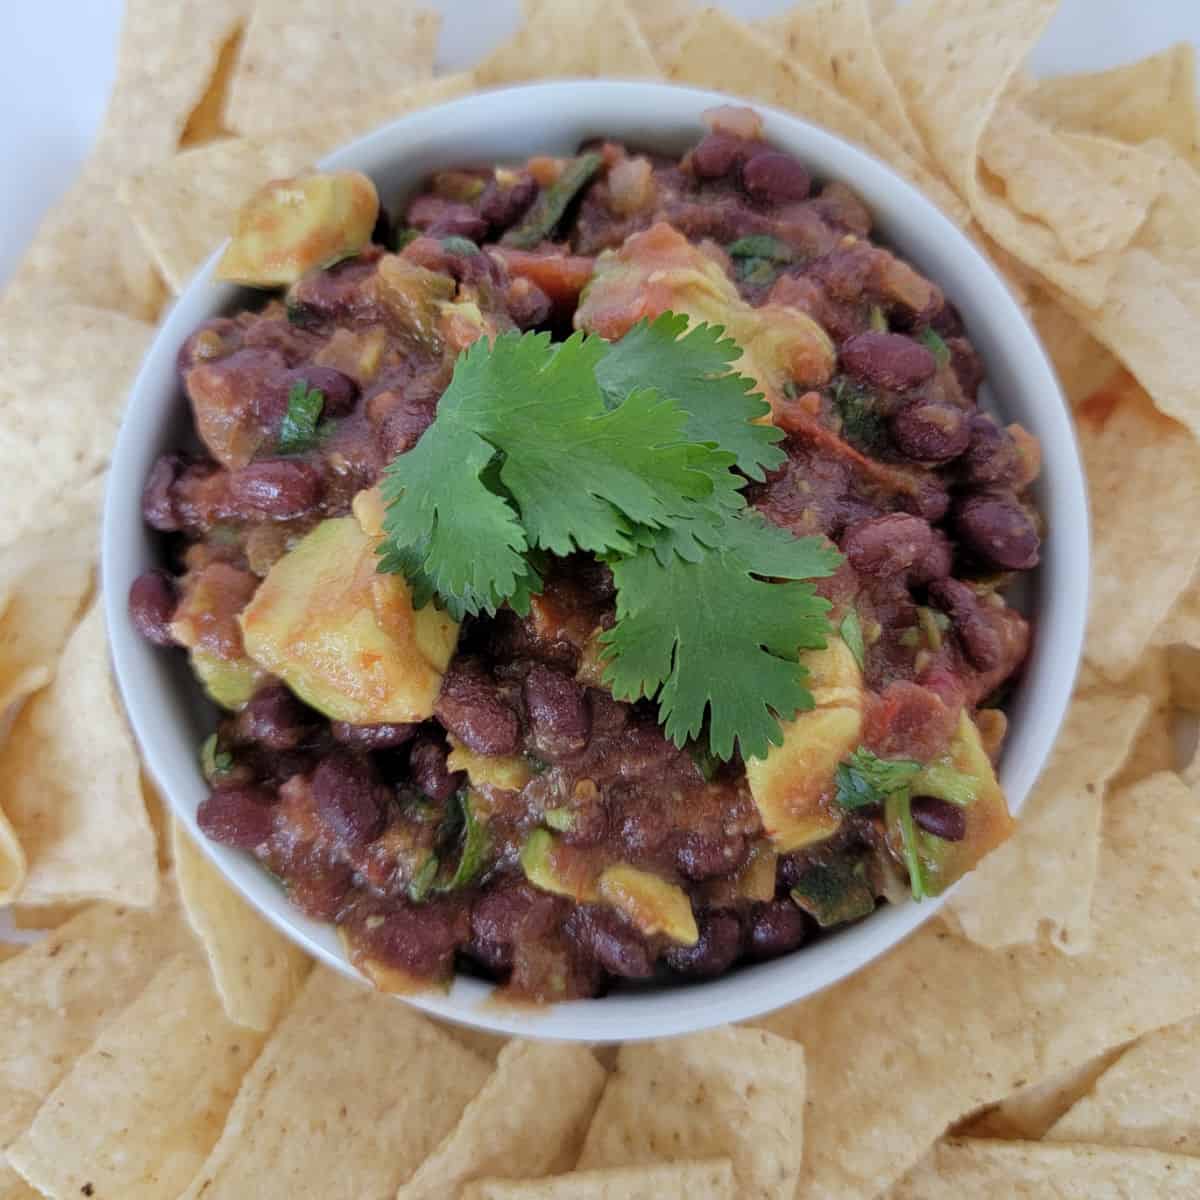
point(561, 276)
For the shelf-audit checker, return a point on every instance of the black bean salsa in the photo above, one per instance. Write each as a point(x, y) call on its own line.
point(468, 795)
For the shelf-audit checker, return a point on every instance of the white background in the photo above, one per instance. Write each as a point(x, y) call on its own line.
point(61, 58)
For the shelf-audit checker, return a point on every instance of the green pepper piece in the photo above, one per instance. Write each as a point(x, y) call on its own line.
point(552, 202)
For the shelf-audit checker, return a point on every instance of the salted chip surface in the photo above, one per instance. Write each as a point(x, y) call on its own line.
point(731, 1092)
point(716, 50)
point(138, 1113)
point(311, 57)
point(585, 38)
point(257, 971)
point(992, 1169)
point(60, 994)
point(1149, 1097)
point(1093, 192)
point(1152, 97)
point(1045, 873)
point(835, 40)
point(661, 21)
point(712, 1180)
point(65, 372)
point(70, 786)
point(529, 1119)
point(349, 1096)
point(185, 208)
point(1001, 1019)
point(1119, 427)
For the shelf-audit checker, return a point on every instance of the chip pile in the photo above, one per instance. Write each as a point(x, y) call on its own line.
point(1041, 1038)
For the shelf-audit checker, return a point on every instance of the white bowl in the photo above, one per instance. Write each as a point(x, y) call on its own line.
point(170, 718)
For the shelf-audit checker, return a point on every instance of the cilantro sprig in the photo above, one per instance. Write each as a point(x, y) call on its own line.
point(631, 451)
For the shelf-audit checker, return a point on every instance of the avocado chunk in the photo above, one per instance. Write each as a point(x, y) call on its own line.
point(650, 903)
point(230, 682)
point(546, 863)
point(504, 772)
point(834, 892)
point(792, 784)
point(292, 226)
point(345, 638)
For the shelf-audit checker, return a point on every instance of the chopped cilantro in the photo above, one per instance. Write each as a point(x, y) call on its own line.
point(474, 846)
point(851, 631)
point(300, 430)
point(932, 341)
point(835, 892)
point(862, 424)
point(946, 782)
point(897, 814)
point(865, 779)
point(761, 245)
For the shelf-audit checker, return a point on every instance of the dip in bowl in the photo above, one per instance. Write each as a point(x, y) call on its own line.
point(463, 783)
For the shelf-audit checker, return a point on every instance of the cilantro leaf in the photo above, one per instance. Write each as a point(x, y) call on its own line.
point(300, 428)
point(933, 342)
point(695, 370)
point(852, 635)
point(526, 453)
point(714, 637)
point(865, 779)
point(862, 423)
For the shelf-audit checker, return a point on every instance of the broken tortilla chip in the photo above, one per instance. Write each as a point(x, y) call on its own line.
point(729, 1092)
point(257, 971)
point(711, 1180)
point(350, 1095)
point(309, 56)
point(115, 1126)
point(69, 785)
point(970, 1167)
point(529, 1118)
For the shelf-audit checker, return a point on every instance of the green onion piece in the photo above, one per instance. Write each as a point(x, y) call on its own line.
point(932, 341)
point(420, 885)
point(897, 811)
point(539, 222)
point(475, 844)
point(878, 320)
point(214, 762)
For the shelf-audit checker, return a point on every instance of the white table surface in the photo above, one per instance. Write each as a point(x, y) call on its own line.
point(61, 60)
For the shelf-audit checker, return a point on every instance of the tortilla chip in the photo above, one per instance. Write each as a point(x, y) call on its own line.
point(185, 208)
point(312, 57)
point(117, 1124)
point(529, 1120)
point(729, 1092)
point(1094, 193)
point(835, 40)
point(1082, 364)
point(585, 38)
point(64, 374)
point(967, 1167)
point(1031, 1110)
point(1153, 307)
point(207, 120)
point(661, 21)
point(998, 1020)
point(257, 971)
point(1181, 636)
point(13, 1187)
point(479, 1041)
point(718, 51)
point(1010, 896)
point(1153, 97)
point(349, 1096)
point(711, 1180)
point(65, 989)
point(69, 785)
point(44, 917)
point(1144, 474)
point(1149, 1097)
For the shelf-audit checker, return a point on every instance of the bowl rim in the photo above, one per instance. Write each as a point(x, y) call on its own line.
point(667, 112)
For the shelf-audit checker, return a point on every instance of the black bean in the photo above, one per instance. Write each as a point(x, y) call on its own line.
point(339, 390)
point(242, 817)
point(980, 638)
point(274, 718)
point(446, 218)
point(558, 713)
point(940, 817)
point(930, 432)
point(776, 928)
point(152, 606)
point(991, 456)
point(275, 488)
point(348, 797)
point(935, 564)
point(615, 944)
point(472, 707)
point(996, 528)
point(772, 177)
point(372, 737)
point(888, 545)
point(420, 938)
point(502, 205)
point(158, 503)
point(887, 360)
point(719, 947)
point(427, 766)
point(718, 154)
point(703, 856)
point(527, 304)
